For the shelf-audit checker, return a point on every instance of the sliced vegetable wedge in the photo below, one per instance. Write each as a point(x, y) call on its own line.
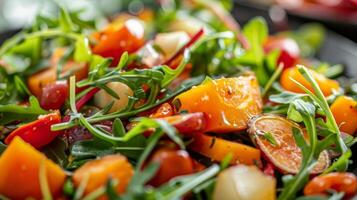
point(274, 136)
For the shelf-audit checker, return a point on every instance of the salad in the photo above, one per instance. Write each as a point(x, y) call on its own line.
point(172, 100)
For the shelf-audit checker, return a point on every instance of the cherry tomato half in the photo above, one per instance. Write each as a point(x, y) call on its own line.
point(172, 163)
point(54, 95)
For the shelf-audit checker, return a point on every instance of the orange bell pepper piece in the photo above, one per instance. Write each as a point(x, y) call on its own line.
point(19, 172)
point(228, 102)
point(217, 149)
point(326, 85)
point(344, 109)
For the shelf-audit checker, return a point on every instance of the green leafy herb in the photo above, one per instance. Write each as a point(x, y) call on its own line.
point(268, 136)
point(13, 112)
point(56, 151)
point(304, 110)
point(256, 32)
point(272, 79)
point(2, 147)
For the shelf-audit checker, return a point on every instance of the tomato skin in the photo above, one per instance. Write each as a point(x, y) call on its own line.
point(289, 50)
point(115, 41)
point(189, 123)
point(38, 133)
point(172, 163)
point(54, 95)
point(165, 110)
point(338, 181)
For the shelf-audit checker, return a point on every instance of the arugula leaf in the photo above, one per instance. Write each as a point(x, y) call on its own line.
point(256, 32)
point(302, 109)
point(65, 21)
point(182, 185)
point(91, 149)
point(285, 97)
point(321, 101)
point(174, 189)
point(15, 63)
point(307, 112)
point(339, 164)
point(171, 74)
point(30, 49)
point(271, 139)
point(56, 151)
point(8, 92)
point(2, 147)
point(128, 113)
point(82, 51)
point(118, 128)
point(13, 112)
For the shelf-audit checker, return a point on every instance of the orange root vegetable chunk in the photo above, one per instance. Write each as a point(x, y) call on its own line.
point(36, 81)
point(217, 149)
point(344, 109)
point(99, 171)
point(274, 136)
point(19, 172)
point(228, 102)
point(326, 85)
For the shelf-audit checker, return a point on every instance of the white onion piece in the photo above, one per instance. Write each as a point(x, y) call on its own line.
point(102, 98)
point(171, 42)
point(187, 24)
point(244, 183)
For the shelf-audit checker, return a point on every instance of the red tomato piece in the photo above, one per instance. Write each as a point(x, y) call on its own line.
point(187, 123)
point(338, 181)
point(113, 42)
point(37, 133)
point(54, 95)
point(269, 169)
point(173, 163)
point(289, 50)
point(165, 110)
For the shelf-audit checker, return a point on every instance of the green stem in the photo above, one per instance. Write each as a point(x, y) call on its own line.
point(47, 33)
point(73, 123)
point(72, 94)
point(272, 79)
point(288, 194)
point(324, 105)
point(306, 167)
point(205, 175)
point(149, 147)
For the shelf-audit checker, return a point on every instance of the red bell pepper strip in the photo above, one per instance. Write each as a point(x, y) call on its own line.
point(82, 101)
point(37, 133)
